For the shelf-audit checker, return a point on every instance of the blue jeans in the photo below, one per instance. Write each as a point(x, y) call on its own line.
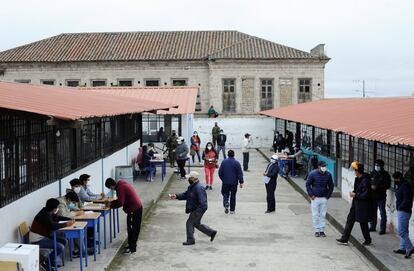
point(403, 224)
point(48, 243)
point(221, 148)
point(381, 206)
point(245, 160)
point(229, 191)
point(319, 207)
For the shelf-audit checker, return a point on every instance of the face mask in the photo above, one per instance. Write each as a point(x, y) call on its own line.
point(71, 206)
point(377, 168)
point(57, 210)
point(195, 134)
point(323, 169)
point(76, 189)
point(209, 148)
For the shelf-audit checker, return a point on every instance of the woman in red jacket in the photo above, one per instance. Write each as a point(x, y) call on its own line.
point(210, 164)
point(195, 146)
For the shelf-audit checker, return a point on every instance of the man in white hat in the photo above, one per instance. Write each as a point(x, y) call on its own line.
point(196, 206)
point(270, 180)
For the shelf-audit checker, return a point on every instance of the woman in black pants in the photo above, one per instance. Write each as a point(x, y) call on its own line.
point(269, 178)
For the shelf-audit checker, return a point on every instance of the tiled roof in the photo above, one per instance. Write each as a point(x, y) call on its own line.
point(184, 97)
point(69, 103)
point(141, 46)
point(388, 120)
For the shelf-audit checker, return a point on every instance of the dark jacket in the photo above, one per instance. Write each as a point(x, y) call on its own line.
point(404, 196)
point(181, 151)
point(289, 138)
point(363, 202)
point(221, 140)
point(272, 171)
point(230, 171)
point(196, 198)
point(44, 224)
point(127, 197)
point(319, 184)
point(380, 182)
point(280, 144)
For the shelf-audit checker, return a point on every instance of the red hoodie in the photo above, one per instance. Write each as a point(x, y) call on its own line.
point(127, 197)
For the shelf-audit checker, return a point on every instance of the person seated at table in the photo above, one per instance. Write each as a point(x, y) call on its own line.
point(45, 223)
point(85, 194)
point(151, 150)
point(297, 153)
point(66, 205)
point(146, 164)
point(75, 186)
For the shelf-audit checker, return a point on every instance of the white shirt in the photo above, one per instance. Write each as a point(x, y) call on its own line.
point(246, 144)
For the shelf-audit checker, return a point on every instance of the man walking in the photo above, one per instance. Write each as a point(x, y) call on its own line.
point(245, 149)
point(404, 204)
point(215, 133)
point(221, 144)
point(230, 174)
point(381, 182)
point(362, 205)
point(196, 206)
point(171, 144)
point(319, 186)
point(181, 152)
point(128, 198)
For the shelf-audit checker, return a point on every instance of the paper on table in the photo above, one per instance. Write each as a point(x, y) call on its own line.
point(89, 212)
point(61, 222)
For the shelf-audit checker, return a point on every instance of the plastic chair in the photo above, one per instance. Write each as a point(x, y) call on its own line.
point(24, 239)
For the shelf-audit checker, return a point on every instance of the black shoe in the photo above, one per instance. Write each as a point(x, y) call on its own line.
point(366, 243)
point(317, 234)
point(342, 241)
point(381, 232)
point(188, 243)
point(211, 188)
point(213, 236)
point(322, 234)
point(372, 230)
point(399, 251)
point(206, 187)
point(268, 212)
point(408, 254)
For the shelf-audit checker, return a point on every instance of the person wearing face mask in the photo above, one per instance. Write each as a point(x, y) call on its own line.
point(76, 186)
point(319, 187)
point(362, 208)
point(270, 177)
point(45, 223)
point(171, 144)
point(85, 194)
point(381, 182)
point(404, 205)
point(181, 152)
point(210, 164)
point(67, 204)
point(215, 133)
point(195, 147)
point(196, 205)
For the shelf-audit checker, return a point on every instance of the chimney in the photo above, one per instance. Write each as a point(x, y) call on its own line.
point(319, 51)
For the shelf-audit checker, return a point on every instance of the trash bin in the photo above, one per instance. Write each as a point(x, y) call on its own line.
point(124, 173)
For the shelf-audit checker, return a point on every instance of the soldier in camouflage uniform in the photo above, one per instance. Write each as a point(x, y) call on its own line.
point(215, 133)
point(171, 144)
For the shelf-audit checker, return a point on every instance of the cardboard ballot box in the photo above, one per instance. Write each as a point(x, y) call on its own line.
point(27, 255)
point(10, 266)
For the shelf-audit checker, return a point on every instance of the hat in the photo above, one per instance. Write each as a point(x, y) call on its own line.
point(247, 134)
point(274, 157)
point(321, 164)
point(180, 139)
point(193, 174)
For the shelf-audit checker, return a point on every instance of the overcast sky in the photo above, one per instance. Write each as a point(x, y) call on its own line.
point(366, 39)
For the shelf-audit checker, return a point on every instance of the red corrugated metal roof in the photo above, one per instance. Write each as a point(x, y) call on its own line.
point(69, 103)
point(388, 120)
point(185, 97)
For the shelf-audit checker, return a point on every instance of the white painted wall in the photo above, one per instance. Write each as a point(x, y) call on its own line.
point(261, 128)
point(187, 122)
point(27, 207)
point(348, 178)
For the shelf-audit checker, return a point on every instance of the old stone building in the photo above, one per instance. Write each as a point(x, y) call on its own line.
point(237, 73)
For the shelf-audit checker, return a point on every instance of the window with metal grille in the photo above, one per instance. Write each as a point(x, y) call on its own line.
point(23, 81)
point(305, 90)
point(229, 95)
point(152, 124)
point(47, 82)
point(179, 82)
point(280, 126)
point(72, 83)
point(125, 82)
point(98, 83)
point(152, 82)
point(266, 95)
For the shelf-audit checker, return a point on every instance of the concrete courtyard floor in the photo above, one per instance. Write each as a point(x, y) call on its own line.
point(247, 240)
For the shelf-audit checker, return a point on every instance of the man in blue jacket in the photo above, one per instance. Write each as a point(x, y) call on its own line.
point(196, 206)
point(319, 186)
point(231, 174)
point(404, 204)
